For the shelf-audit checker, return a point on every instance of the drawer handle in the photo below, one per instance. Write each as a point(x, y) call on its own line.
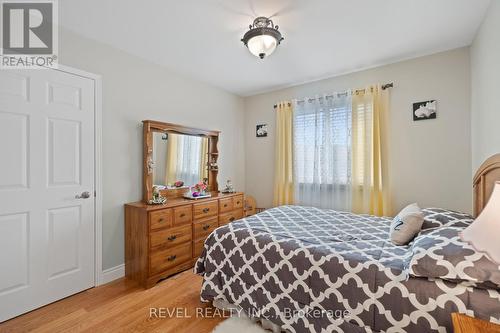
point(172, 238)
point(182, 215)
point(206, 210)
point(161, 219)
point(206, 227)
point(225, 205)
point(172, 258)
point(231, 219)
point(237, 202)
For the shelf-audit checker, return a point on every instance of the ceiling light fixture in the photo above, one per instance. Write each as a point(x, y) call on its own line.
point(262, 38)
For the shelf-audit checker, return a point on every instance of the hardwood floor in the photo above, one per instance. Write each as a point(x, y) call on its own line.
point(123, 306)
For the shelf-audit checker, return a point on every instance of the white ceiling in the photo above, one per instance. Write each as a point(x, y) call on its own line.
point(323, 38)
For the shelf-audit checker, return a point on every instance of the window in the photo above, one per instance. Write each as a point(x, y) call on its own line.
point(322, 146)
point(337, 147)
point(322, 151)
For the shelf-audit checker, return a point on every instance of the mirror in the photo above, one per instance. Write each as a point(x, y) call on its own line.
point(179, 160)
point(173, 153)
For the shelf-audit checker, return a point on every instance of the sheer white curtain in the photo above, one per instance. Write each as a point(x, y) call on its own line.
point(189, 159)
point(323, 152)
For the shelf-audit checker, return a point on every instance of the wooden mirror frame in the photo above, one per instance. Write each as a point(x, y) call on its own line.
point(150, 126)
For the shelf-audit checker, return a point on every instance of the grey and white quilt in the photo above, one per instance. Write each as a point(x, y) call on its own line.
point(313, 270)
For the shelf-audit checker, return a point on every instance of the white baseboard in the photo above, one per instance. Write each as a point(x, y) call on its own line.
point(112, 273)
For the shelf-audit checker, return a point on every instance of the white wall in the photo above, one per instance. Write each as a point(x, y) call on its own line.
point(430, 160)
point(485, 75)
point(134, 90)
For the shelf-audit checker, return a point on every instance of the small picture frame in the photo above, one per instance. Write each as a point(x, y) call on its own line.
point(261, 131)
point(425, 110)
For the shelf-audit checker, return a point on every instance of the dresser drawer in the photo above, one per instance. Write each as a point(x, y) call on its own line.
point(203, 228)
point(227, 218)
point(183, 215)
point(205, 209)
point(238, 213)
point(198, 247)
point(160, 219)
point(225, 205)
point(170, 237)
point(160, 261)
point(238, 202)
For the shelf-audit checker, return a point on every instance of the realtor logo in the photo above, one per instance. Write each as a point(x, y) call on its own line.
point(29, 38)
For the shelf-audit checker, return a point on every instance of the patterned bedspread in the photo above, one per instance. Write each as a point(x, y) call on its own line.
point(315, 270)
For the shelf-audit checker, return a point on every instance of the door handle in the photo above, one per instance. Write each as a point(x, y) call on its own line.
point(84, 195)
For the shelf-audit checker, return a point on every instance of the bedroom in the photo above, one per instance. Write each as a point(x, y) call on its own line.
point(364, 107)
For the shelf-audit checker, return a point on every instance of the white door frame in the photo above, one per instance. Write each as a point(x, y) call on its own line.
point(98, 272)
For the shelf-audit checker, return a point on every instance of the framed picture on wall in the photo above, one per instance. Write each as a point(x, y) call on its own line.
point(261, 131)
point(425, 110)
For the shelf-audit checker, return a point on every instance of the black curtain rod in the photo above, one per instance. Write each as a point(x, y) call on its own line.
point(384, 87)
point(387, 85)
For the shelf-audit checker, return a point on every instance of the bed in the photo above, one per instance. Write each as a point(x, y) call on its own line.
point(312, 270)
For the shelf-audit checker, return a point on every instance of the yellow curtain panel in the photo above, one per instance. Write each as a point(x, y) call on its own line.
point(370, 189)
point(283, 173)
point(204, 158)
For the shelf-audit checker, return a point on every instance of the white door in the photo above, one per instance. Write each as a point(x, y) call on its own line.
point(46, 160)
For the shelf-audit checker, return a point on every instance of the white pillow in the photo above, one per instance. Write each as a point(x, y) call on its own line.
point(406, 225)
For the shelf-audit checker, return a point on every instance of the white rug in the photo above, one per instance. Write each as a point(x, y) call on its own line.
point(238, 325)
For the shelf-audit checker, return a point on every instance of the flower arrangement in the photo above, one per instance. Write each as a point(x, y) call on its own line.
point(179, 183)
point(199, 189)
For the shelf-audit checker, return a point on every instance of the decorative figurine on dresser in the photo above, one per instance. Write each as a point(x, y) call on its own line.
point(229, 187)
point(162, 239)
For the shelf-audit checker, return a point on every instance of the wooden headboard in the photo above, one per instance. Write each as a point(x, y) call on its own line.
point(484, 181)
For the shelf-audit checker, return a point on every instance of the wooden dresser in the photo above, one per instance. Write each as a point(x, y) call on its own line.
point(166, 239)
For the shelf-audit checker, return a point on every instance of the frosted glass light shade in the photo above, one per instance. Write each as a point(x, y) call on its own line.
point(262, 38)
point(262, 46)
point(484, 232)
